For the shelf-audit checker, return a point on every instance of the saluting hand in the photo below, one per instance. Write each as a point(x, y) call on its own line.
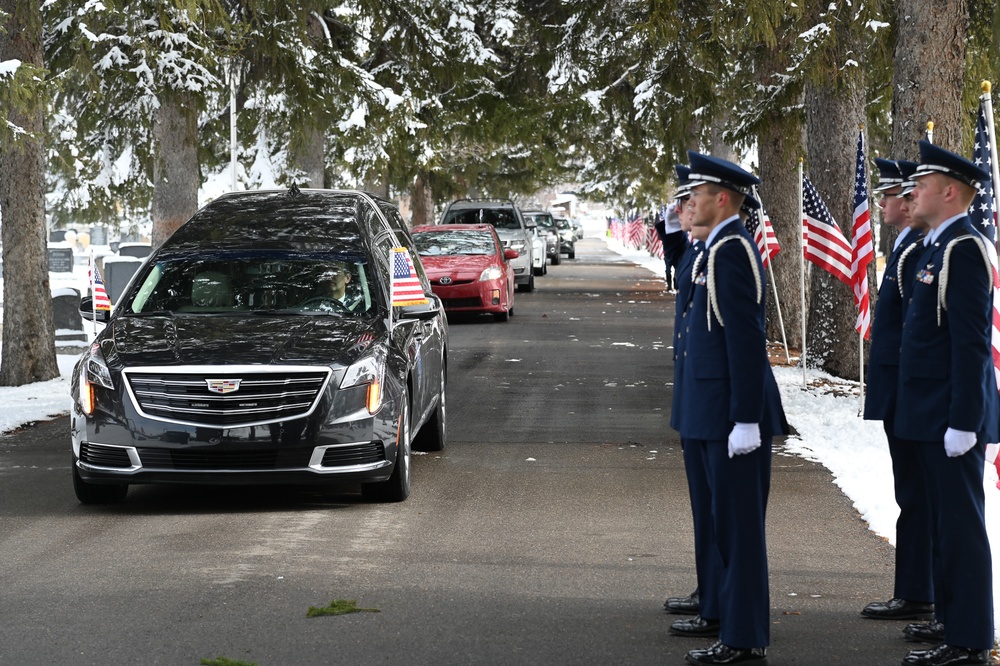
point(957, 442)
point(744, 438)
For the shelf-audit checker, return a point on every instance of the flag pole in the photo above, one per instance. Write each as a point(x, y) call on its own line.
point(802, 276)
point(987, 99)
point(93, 294)
point(861, 333)
point(770, 276)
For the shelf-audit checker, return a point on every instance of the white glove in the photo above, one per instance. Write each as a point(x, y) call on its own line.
point(744, 438)
point(957, 442)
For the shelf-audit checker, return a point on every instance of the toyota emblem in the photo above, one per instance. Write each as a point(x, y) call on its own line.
point(445, 280)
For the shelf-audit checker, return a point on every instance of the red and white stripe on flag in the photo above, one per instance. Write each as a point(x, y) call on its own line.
point(822, 241)
point(862, 251)
point(653, 243)
point(100, 294)
point(406, 287)
point(635, 232)
point(772, 247)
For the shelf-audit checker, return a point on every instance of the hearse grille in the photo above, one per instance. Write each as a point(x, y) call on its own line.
point(259, 397)
point(205, 459)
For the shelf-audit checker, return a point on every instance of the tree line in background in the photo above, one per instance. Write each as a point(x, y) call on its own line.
point(122, 110)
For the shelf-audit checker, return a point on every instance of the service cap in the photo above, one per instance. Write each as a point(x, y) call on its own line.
point(708, 169)
point(935, 159)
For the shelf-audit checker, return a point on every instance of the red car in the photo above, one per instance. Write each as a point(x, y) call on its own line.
point(468, 267)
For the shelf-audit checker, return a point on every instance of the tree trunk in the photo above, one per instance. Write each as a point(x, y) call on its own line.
point(778, 148)
point(28, 336)
point(421, 201)
point(308, 149)
point(377, 183)
point(928, 74)
point(308, 157)
point(717, 146)
point(832, 121)
point(175, 163)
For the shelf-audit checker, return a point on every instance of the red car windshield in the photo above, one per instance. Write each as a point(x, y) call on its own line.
point(459, 242)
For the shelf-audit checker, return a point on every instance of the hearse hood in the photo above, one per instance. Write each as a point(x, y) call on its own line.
point(240, 340)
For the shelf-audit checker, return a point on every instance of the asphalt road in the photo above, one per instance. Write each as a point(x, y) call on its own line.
point(548, 532)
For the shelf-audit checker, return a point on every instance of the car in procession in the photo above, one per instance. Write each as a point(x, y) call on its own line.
point(504, 216)
point(546, 225)
point(277, 337)
point(468, 268)
point(567, 237)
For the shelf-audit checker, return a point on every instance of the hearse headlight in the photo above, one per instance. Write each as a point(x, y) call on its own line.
point(93, 372)
point(367, 371)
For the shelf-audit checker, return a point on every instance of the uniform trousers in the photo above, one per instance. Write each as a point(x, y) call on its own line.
point(964, 585)
point(737, 490)
point(914, 527)
point(706, 551)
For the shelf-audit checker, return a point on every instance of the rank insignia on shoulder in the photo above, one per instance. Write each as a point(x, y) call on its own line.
point(700, 280)
point(925, 276)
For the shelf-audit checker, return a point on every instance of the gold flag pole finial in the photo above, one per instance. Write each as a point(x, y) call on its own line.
point(930, 125)
point(986, 87)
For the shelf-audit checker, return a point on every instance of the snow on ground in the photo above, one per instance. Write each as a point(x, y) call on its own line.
point(825, 413)
point(825, 417)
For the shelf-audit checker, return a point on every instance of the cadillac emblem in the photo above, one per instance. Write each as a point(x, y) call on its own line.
point(445, 280)
point(223, 385)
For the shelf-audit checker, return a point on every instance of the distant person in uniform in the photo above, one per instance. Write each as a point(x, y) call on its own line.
point(706, 554)
point(947, 389)
point(673, 239)
point(913, 590)
point(728, 408)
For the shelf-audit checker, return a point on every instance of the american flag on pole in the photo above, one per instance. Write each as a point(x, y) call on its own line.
point(822, 241)
point(406, 287)
point(862, 251)
point(763, 234)
point(100, 294)
point(983, 213)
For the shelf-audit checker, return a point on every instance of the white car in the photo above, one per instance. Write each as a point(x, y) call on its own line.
point(538, 263)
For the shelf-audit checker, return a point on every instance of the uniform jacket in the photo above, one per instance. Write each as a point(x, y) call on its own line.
point(684, 284)
point(945, 368)
point(725, 376)
point(887, 331)
point(684, 287)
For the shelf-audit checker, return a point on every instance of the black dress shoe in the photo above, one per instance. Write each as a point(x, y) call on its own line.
point(930, 632)
point(898, 609)
point(946, 655)
point(723, 654)
point(694, 626)
point(689, 605)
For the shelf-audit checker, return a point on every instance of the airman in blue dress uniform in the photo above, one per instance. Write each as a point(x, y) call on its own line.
point(913, 591)
point(947, 390)
point(728, 407)
point(706, 552)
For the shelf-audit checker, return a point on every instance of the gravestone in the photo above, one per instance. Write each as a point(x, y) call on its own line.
point(136, 250)
point(61, 259)
point(99, 235)
point(57, 235)
point(66, 319)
